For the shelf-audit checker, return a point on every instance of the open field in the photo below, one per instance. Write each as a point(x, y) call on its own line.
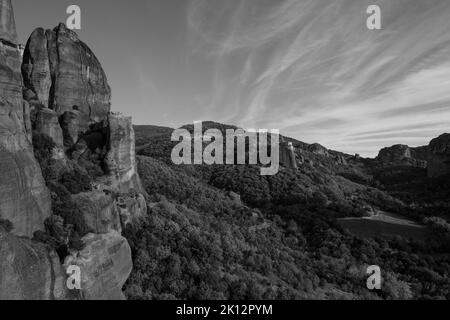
point(384, 225)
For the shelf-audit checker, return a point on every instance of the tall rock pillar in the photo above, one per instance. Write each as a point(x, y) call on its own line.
point(24, 198)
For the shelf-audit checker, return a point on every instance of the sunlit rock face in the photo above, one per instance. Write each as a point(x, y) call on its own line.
point(439, 156)
point(99, 210)
point(400, 155)
point(24, 198)
point(29, 270)
point(105, 265)
point(121, 157)
point(7, 24)
point(63, 74)
point(288, 158)
point(68, 99)
point(36, 69)
point(47, 123)
point(318, 149)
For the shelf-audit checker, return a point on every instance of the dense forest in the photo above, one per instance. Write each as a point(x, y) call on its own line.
point(226, 232)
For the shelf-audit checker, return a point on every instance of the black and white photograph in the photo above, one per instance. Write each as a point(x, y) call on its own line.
point(225, 155)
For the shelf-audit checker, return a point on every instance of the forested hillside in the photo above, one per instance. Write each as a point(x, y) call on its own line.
point(225, 232)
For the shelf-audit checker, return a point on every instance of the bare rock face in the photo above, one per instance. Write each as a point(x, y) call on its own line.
point(29, 270)
point(72, 125)
point(24, 198)
point(399, 155)
point(288, 158)
point(99, 210)
point(63, 74)
point(439, 156)
point(131, 207)
point(105, 265)
point(47, 123)
point(7, 24)
point(121, 157)
point(36, 69)
point(318, 149)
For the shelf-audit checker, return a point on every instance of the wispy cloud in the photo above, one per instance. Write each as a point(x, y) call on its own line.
point(312, 69)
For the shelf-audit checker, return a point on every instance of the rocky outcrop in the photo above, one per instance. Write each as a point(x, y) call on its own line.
point(7, 24)
point(36, 69)
point(105, 265)
point(99, 210)
point(47, 123)
point(61, 91)
point(73, 126)
point(318, 149)
point(29, 270)
point(24, 198)
point(420, 153)
point(121, 157)
point(288, 158)
point(63, 74)
point(131, 207)
point(439, 156)
point(399, 155)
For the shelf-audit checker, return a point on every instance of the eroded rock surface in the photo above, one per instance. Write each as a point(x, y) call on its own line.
point(63, 74)
point(131, 207)
point(400, 155)
point(29, 270)
point(439, 156)
point(288, 158)
point(105, 265)
point(24, 198)
point(47, 123)
point(7, 24)
point(99, 210)
point(318, 149)
point(121, 157)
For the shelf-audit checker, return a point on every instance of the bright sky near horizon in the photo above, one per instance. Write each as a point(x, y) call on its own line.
point(310, 68)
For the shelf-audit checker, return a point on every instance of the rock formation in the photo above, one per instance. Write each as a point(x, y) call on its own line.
point(439, 156)
point(29, 270)
point(105, 265)
point(63, 74)
point(7, 24)
point(318, 149)
point(24, 198)
point(288, 158)
point(99, 210)
point(46, 122)
point(131, 207)
point(121, 157)
point(62, 93)
point(399, 155)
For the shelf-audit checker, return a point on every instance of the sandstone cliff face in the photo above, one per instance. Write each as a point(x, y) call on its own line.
point(47, 123)
point(121, 157)
point(67, 98)
point(105, 265)
point(29, 270)
point(288, 158)
point(400, 155)
point(99, 210)
point(24, 198)
point(63, 74)
point(439, 156)
point(7, 24)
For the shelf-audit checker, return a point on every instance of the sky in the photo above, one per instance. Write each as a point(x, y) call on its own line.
point(310, 68)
